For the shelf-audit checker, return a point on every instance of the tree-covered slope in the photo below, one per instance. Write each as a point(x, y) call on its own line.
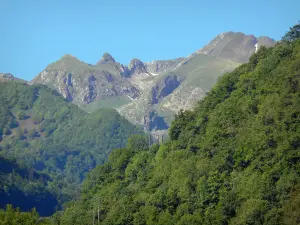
point(46, 133)
point(14, 216)
point(234, 159)
point(25, 188)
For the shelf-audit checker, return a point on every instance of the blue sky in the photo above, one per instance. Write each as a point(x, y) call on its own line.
point(35, 33)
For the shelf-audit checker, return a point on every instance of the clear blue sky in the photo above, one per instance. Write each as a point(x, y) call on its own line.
point(35, 33)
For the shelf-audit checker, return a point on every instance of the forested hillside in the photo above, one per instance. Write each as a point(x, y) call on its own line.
point(25, 188)
point(45, 133)
point(234, 159)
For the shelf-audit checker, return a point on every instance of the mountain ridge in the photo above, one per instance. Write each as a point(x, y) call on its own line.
point(158, 85)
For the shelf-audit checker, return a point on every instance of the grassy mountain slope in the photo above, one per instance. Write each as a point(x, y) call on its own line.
point(44, 132)
point(234, 159)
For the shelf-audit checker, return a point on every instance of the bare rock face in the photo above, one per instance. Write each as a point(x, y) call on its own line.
point(152, 121)
point(163, 88)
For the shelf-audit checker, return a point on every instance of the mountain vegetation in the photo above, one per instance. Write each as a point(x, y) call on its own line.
point(25, 188)
point(14, 216)
point(44, 132)
point(233, 159)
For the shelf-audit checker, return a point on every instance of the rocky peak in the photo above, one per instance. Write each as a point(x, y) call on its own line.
point(106, 58)
point(136, 66)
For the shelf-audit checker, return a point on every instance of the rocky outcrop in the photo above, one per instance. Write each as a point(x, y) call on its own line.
point(152, 121)
point(163, 88)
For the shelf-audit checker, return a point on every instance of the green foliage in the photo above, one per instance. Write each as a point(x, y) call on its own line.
point(293, 33)
point(43, 131)
point(180, 120)
point(11, 216)
point(234, 159)
point(25, 188)
point(138, 142)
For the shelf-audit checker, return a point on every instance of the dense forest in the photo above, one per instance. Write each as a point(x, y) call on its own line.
point(59, 142)
point(234, 159)
point(25, 188)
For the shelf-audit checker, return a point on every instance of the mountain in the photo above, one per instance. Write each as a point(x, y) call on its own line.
point(233, 159)
point(7, 77)
point(44, 132)
point(159, 88)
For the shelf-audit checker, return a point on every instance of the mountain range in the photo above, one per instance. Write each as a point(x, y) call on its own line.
point(149, 93)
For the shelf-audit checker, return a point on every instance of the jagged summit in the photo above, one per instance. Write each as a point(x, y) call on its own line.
point(106, 58)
